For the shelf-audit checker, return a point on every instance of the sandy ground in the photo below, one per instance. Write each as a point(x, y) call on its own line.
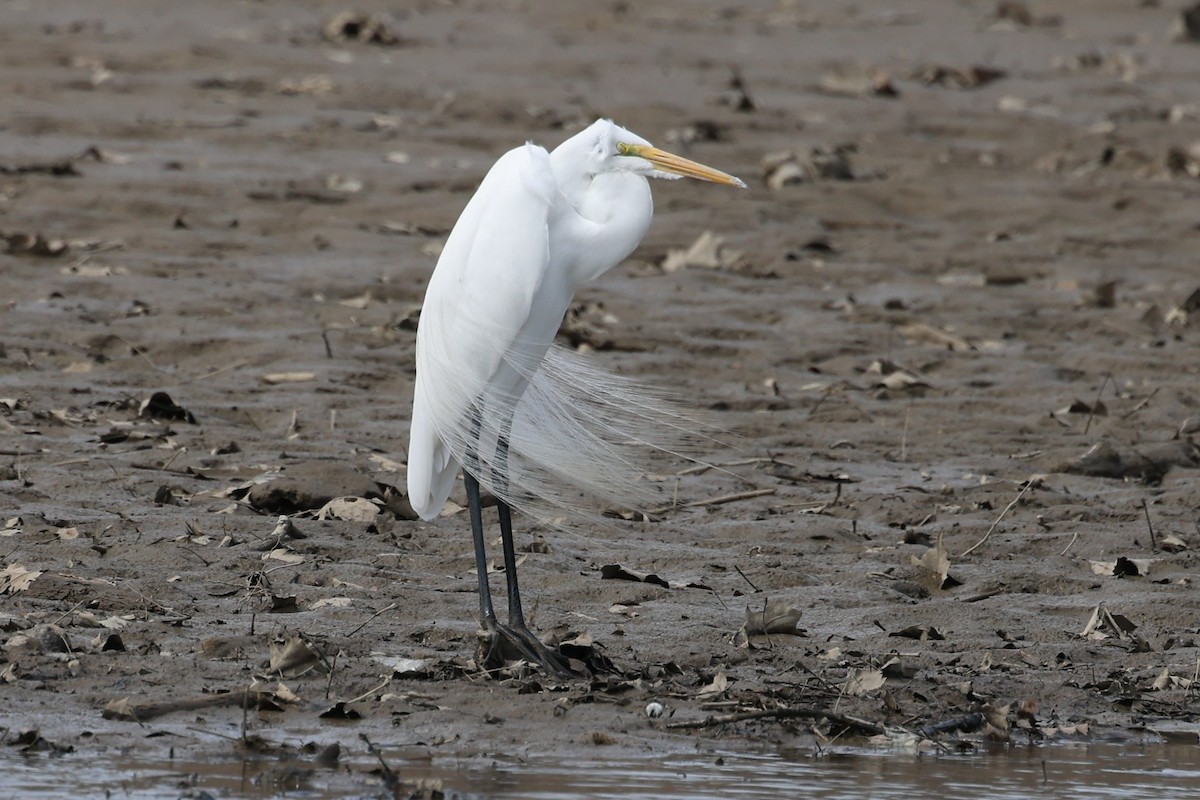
point(976, 264)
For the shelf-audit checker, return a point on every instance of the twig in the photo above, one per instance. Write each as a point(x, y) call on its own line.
point(171, 460)
point(69, 612)
point(203, 560)
point(716, 501)
point(1033, 479)
point(1071, 543)
point(1149, 524)
point(391, 779)
point(829, 687)
point(371, 619)
point(745, 462)
point(370, 692)
point(1096, 402)
point(747, 580)
point(824, 395)
point(332, 668)
point(215, 372)
point(245, 711)
point(713, 720)
point(138, 351)
point(1141, 405)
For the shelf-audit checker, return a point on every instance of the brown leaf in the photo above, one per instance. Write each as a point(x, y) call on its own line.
point(16, 578)
point(293, 657)
point(863, 681)
point(777, 617)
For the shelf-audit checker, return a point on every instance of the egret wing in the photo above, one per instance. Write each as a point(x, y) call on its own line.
point(476, 310)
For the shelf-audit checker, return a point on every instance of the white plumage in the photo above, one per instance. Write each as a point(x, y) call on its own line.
point(535, 423)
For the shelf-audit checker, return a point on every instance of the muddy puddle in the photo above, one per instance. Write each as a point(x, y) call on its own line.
point(1083, 771)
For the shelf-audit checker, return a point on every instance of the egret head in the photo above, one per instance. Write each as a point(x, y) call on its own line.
point(614, 149)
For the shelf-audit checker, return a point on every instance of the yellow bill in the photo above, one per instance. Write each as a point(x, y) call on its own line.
point(678, 165)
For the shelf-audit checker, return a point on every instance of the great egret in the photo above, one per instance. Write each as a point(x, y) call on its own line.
point(532, 423)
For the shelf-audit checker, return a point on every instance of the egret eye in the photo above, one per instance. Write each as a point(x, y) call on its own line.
point(625, 149)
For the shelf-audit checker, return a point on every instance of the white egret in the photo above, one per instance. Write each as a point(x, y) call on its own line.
point(532, 423)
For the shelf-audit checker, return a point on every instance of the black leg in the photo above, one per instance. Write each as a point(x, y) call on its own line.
point(486, 612)
point(547, 658)
point(516, 616)
point(516, 636)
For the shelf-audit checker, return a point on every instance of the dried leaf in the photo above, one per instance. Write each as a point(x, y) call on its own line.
point(1102, 624)
point(621, 573)
point(284, 555)
point(920, 332)
point(1123, 567)
point(777, 617)
point(936, 564)
point(351, 509)
point(331, 602)
point(1172, 544)
point(869, 82)
point(16, 578)
point(862, 681)
point(340, 710)
point(407, 667)
point(707, 252)
point(718, 685)
point(921, 633)
point(160, 406)
point(293, 657)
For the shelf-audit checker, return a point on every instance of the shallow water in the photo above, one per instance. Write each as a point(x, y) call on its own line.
point(1078, 771)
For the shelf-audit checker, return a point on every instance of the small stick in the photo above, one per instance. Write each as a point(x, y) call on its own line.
point(829, 687)
point(215, 372)
point(391, 780)
point(817, 405)
point(138, 351)
point(745, 462)
point(716, 501)
point(245, 710)
point(174, 456)
point(332, 668)
point(371, 619)
point(69, 612)
point(1145, 402)
point(1149, 524)
point(1071, 543)
point(370, 692)
point(203, 560)
point(747, 580)
point(328, 349)
point(1096, 402)
point(67, 463)
point(1028, 485)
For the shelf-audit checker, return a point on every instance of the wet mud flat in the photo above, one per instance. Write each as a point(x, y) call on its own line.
point(951, 330)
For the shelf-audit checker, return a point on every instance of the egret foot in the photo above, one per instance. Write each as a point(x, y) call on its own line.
point(501, 645)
